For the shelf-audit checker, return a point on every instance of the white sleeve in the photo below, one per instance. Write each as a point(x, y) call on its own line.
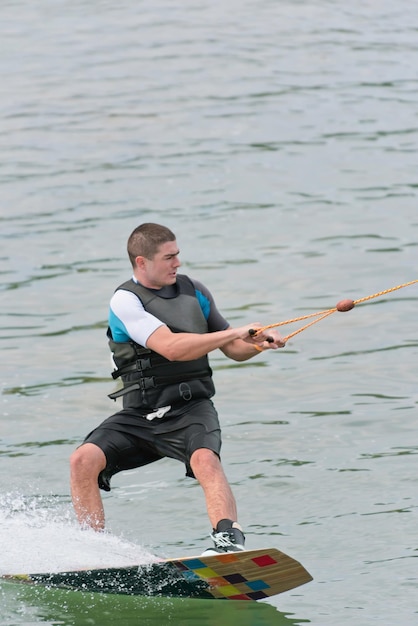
point(129, 320)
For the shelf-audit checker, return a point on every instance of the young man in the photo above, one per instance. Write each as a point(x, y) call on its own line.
point(162, 325)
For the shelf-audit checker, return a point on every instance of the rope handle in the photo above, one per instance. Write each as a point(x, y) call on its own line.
point(341, 306)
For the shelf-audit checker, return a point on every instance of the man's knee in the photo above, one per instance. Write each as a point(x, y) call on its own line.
point(87, 460)
point(204, 460)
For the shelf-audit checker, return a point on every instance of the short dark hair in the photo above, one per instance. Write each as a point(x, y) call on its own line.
point(146, 239)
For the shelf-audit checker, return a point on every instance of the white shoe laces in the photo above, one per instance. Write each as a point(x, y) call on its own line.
point(222, 540)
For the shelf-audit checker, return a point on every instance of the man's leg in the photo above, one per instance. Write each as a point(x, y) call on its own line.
point(208, 470)
point(220, 502)
point(86, 464)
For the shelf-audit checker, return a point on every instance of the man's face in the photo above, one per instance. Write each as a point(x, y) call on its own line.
point(161, 270)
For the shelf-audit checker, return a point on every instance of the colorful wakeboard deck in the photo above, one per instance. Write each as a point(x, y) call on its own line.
point(248, 575)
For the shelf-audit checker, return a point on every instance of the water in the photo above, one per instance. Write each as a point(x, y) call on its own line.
point(279, 141)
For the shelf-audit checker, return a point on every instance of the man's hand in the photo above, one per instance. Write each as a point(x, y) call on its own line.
point(265, 339)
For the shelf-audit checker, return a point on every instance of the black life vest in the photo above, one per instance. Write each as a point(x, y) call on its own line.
point(150, 380)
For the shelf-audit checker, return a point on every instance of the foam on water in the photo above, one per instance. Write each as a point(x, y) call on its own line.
point(37, 534)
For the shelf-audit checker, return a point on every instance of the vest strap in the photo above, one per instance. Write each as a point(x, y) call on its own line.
point(138, 366)
point(148, 382)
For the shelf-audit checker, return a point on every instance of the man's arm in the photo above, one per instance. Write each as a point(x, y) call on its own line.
point(236, 343)
point(237, 349)
point(128, 319)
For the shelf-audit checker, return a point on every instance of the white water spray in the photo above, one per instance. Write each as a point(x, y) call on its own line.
point(37, 534)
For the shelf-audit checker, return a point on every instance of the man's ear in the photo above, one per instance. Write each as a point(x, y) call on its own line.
point(140, 262)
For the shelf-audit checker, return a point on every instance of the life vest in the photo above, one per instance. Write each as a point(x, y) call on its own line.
point(150, 380)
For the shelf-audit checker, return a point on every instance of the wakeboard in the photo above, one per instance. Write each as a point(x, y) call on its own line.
point(247, 575)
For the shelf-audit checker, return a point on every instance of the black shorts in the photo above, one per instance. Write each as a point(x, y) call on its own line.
point(129, 440)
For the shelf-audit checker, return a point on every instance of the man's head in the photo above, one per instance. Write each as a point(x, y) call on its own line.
point(146, 239)
point(153, 252)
